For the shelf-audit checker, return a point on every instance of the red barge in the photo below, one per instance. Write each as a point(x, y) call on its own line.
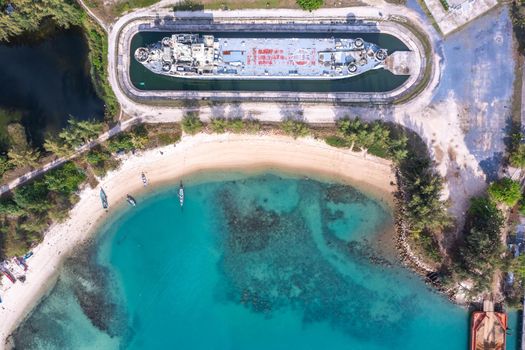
point(488, 328)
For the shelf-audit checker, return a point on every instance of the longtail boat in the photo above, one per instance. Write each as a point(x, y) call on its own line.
point(104, 198)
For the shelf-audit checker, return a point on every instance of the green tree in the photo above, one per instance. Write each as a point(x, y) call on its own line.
point(191, 123)
point(24, 158)
point(518, 267)
point(375, 137)
point(480, 253)
point(5, 165)
point(218, 125)
point(28, 15)
point(506, 191)
point(139, 136)
point(398, 148)
point(33, 196)
point(57, 147)
point(65, 179)
point(517, 157)
point(310, 5)
point(422, 187)
point(80, 132)
point(121, 142)
point(295, 128)
point(17, 137)
point(9, 207)
point(101, 160)
point(97, 155)
point(236, 125)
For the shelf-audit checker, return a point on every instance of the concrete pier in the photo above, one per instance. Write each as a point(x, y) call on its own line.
point(402, 63)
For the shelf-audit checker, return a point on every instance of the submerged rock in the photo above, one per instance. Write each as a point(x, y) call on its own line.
point(83, 284)
point(273, 262)
point(92, 287)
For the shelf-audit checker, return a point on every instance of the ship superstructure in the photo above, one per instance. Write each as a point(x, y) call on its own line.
point(207, 56)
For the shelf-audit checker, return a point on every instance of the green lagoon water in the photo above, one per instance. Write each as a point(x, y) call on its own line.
point(252, 262)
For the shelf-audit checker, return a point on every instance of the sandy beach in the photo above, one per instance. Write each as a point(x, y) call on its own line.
point(169, 164)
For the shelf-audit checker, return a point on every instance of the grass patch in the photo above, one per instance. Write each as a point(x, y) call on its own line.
point(336, 141)
point(127, 5)
point(163, 134)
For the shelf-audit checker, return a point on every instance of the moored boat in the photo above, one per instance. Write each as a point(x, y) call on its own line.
point(20, 262)
point(104, 198)
point(8, 274)
point(488, 328)
point(181, 194)
point(131, 200)
point(144, 180)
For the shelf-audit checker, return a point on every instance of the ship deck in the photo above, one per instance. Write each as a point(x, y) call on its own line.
point(279, 57)
point(488, 329)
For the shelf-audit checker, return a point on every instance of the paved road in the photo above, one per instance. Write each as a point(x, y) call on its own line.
point(93, 15)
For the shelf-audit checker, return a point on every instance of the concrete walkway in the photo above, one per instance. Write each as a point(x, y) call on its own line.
point(59, 161)
point(93, 15)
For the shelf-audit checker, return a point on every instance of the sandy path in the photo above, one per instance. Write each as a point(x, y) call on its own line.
point(192, 154)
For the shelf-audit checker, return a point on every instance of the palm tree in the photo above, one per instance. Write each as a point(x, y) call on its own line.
point(351, 138)
point(89, 130)
point(5, 165)
point(24, 158)
point(58, 148)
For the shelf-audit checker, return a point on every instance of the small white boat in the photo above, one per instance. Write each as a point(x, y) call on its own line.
point(131, 200)
point(144, 180)
point(181, 194)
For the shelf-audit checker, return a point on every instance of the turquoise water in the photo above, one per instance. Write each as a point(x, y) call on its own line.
point(261, 262)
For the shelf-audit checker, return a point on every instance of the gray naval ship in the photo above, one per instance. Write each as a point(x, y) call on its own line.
point(210, 57)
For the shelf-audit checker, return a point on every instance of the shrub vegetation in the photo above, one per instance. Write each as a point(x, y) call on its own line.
point(505, 191)
point(191, 123)
point(480, 254)
point(295, 128)
point(31, 208)
point(310, 5)
point(235, 125)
